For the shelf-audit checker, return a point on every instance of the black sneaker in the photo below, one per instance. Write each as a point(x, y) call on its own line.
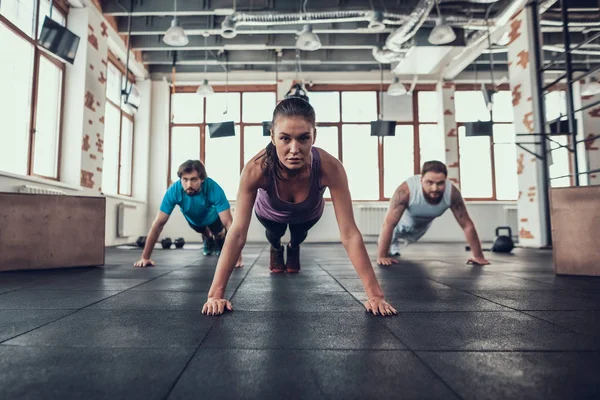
point(276, 260)
point(209, 245)
point(292, 263)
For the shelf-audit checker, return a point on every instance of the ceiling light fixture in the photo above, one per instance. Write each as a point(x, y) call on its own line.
point(442, 33)
point(205, 89)
point(307, 40)
point(175, 35)
point(396, 88)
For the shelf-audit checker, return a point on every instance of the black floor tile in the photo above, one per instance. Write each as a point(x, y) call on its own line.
point(389, 286)
point(87, 373)
point(182, 285)
point(155, 300)
point(118, 328)
point(553, 300)
point(435, 300)
point(515, 375)
point(559, 281)
point(9, 287)
point(580, 321)
point(25, 299)
point(493, 282)
point(89, 283)
point(316, 329)
point(290, 282)
point(306, 374)
point(285, 300)
point(484, 331)
point(16, 322)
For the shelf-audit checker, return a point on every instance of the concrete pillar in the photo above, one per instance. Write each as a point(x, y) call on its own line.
point(94, 99)
point(448, 121)
point(522, 78)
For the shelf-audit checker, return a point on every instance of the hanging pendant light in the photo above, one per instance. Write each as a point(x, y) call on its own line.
point(175, 35)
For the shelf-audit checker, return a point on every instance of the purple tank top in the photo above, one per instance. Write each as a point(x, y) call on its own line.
point(270, 206)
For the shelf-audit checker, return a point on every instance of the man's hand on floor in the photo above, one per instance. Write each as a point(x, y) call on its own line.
point(478, 261)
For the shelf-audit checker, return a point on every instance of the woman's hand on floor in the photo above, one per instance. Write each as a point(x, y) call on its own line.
point(144, 262)
point(378, 306)
point(214, 306)
point(386, 261)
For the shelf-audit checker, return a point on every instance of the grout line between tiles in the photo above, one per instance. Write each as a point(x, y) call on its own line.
point(427, 366)
point(172, 386)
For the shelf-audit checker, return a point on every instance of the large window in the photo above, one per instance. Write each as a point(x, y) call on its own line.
point(117, 167)
point(375, 166)
point(224, 157)
point(559, 158)
point(487, 163)
point(31, 90)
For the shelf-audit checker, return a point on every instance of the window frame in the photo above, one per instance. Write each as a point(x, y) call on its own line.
point(475, 87)
point(38, 52)
point(112, 59)
point(340, 88)
point(241, 89)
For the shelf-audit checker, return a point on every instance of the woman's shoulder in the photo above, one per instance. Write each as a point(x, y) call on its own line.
point(329, 163)
point(254, 170)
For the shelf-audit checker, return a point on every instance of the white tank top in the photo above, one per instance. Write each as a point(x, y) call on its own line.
point(420, 214)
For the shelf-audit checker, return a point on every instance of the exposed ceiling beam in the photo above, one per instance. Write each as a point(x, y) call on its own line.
point(226, 7)
point(198, 25)
point(258, 42)
point(263, 57)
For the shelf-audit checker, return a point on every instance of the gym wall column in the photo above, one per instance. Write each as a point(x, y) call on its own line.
point(521, 71)
point(447, 117)
point(591, 128)
point(92, 139)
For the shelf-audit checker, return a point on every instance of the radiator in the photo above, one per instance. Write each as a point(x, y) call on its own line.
point(125, 220)
point(370, 219)
point(38, 190)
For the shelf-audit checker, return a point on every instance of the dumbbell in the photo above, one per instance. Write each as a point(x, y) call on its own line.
point(179, 242)
point(166, 243)
point(141, 241)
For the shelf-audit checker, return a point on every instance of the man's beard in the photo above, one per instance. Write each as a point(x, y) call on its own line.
point(433, 198)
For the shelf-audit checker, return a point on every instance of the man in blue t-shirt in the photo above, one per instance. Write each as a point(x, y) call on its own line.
point(204, 206)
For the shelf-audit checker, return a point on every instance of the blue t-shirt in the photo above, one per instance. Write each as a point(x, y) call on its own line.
point(199, 210)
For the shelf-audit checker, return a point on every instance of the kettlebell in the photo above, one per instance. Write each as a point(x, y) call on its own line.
point(503, 243)
point(166, 243)
point(179, 242)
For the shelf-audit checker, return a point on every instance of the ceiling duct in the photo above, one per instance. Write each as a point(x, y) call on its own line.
point(415, 20)
point(324, 17)
point(384, 56)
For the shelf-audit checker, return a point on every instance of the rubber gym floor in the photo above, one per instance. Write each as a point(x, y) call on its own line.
point(511, 330)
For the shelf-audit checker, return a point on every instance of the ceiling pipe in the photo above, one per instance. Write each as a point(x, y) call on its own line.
point(479, 42)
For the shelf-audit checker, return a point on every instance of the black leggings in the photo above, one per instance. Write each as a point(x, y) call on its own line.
point(215, 228)
point(275, 231)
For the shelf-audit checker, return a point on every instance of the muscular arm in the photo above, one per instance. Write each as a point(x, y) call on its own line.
point(459, 210)
point(335, 177)
point(235, 240)
point(226, 218)
point(157, 227)
point(398, 204)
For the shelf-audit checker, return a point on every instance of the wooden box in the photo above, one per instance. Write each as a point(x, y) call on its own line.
point(575, 215)
point(39, 231)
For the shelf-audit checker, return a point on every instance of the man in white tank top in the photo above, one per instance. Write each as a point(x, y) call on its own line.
point(415, 204)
